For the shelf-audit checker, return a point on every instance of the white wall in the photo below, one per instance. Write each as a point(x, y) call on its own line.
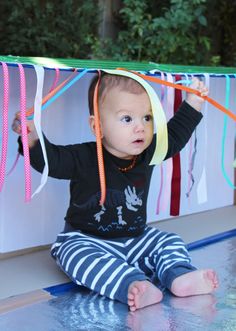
point(24, 225)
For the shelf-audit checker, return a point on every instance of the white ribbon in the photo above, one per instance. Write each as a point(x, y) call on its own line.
point(37, 122)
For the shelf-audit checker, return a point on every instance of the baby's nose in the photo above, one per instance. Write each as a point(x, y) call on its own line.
point(139, 125)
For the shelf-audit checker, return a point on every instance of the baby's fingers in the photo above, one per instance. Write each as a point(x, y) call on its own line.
point(204, 91)
point(200, 86)
point(16, 126)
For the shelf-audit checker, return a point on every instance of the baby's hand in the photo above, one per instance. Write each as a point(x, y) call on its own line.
point(32, 134)
point(194, 100)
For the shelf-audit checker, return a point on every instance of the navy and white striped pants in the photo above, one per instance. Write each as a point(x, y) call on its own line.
point(108, 267)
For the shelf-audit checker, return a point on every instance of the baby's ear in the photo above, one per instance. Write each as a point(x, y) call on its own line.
point(92, 124)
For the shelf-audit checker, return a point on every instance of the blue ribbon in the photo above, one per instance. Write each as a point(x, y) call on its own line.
point(59, 93)
point(227, 95)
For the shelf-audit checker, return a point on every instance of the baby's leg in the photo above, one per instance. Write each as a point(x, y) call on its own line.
point(194, 283)
point(97, 265)
point(142, 294)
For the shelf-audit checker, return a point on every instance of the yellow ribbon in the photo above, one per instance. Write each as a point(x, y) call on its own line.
point(158, 115)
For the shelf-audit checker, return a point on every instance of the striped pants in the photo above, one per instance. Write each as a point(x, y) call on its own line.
point(108, 267)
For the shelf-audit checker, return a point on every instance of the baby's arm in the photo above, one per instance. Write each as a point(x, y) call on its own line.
point(63, 161)
point(192, 99)
point(32, 134)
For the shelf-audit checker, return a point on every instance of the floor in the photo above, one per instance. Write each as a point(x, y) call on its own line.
point(36, 270)
point(80, 309)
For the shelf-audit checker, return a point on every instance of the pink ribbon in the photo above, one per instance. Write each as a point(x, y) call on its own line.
point(4, 123)
point(24, 133)
point(56, 79)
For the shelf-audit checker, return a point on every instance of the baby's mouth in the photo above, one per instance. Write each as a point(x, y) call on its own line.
point(138, 141)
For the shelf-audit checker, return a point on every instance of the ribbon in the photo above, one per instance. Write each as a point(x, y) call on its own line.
point(158, 114)
point(38, 106)
point(163, 201)
point(56, 79)
point(101, 168)
point(192, 156)
point(159, 117)
point(159, 120)
point(24, 133)
point(51, 93)
point(37, 122)
point(161, 166)
point(176, 176)
point(227, 97)
point(190, 90)
point(4, 123)
point(202, 183)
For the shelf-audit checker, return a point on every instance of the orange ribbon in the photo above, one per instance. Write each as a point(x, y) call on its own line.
point(187, 89)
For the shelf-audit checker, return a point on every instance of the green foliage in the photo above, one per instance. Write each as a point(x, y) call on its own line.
point(221, 20)
point(199, 32)
point(175, 36)
point(47, 28)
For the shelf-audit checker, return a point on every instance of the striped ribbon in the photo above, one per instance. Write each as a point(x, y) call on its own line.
point(53, 87)
point(24, 133)
point(56, 92)
point(38, 106)
point(4, 123)
point(98, 134)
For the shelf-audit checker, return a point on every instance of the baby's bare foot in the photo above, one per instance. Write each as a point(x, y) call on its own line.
point(195, 283)
point(142, 294)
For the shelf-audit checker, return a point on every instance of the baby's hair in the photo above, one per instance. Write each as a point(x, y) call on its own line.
point(109, 81)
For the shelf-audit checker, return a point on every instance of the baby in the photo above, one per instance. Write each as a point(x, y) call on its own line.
point(109, 248)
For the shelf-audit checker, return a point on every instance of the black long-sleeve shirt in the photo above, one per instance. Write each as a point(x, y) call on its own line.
point(124, 211)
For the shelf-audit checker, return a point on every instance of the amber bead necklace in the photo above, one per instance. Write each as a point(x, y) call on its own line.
point(131, 166)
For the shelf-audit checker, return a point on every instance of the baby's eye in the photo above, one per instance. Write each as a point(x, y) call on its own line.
point(148, 118)
point(126, 119)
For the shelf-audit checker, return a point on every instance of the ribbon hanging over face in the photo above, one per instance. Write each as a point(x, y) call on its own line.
point(159, 120)
point(158, 114)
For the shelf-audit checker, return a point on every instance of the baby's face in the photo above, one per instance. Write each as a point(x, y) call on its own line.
point(126, 122)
